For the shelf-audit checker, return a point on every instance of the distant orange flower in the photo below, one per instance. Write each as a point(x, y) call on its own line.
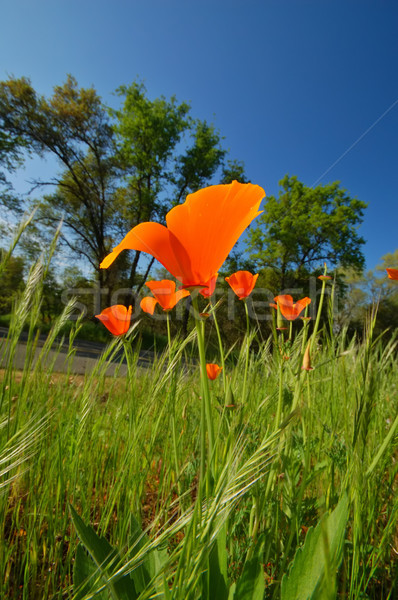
point(165, 295)
point(289, 310)
point(392, 273)
point(116, 318)
point(242, 283)
point(200, 233)
point(213, 370)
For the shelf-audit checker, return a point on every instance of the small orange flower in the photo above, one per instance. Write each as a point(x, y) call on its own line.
point(116, 318)
point(324, 277)
point(165, 295)
point(289, 310)
point(213, 370)
point(242, 283)
point(200, 233)
point(392, 273)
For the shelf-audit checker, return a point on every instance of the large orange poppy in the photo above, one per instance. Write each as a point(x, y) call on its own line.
point(116, 319)
point(165, 294)
point(242, 282)
point(290, 310)
point(200, 233)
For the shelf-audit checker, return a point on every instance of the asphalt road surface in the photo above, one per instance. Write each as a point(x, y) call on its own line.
point(86, 355)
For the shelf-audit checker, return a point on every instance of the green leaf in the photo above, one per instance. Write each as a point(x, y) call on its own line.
point(251, 584)
point(312, 573)
point(152, 562)
point(217, 574)
point(85, 574)
point(105, 558)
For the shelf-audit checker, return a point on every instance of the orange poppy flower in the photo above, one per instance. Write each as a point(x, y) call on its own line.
point(324, 277)
point(289, 310)
point(200, 233)
point(165, 295)
point(392, 273)
point(242, 282)
point(213, 370)
point(116, 318)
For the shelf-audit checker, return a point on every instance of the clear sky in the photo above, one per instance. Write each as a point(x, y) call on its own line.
point(305, 87)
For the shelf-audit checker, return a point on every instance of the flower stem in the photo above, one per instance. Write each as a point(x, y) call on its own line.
point(280, 396)
point(247, 351)
point(206, 419)
point(318, 315)
point(220, 344)
point(168, 330)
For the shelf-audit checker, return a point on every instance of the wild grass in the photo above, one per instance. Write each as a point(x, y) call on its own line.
point(126, 453)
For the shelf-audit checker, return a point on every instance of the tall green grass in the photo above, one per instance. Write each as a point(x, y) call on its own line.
point(125, 453)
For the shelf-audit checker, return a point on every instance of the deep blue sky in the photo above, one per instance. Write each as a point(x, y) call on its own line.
point(291, 84)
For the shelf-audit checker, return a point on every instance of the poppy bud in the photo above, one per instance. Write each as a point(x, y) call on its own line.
point(307, 359)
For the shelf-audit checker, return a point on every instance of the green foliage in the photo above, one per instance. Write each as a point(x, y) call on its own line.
point(11, 282)
point(126, 450)
point(106, 560)
point(73, 126)
point(305, 226)
point(313, 571)
point(361, 292)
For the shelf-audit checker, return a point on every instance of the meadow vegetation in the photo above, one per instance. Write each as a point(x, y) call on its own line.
point(121, 466)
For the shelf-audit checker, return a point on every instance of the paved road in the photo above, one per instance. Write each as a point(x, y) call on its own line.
point(85, 357)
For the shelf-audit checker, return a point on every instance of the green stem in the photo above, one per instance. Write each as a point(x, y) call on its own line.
point(220, 345)
point(280, 396)
point(168, 333)
point(206, 418)
point(318, 316)
point(247, 351)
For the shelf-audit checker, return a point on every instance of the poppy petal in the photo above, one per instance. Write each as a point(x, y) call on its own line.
point(152, 238)
point(285, 303)
point(242, 283)
point(116, 318)
point(213, 371)
point(208, 225)
point(179, 295)
point(301, 304)
point(209, 290)
point(392, 273)
point(163, 291)
point(148, 304)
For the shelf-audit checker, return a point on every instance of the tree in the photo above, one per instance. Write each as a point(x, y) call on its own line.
point(11, 282)
point(165, 154)
point(73, 126)
point(306, 226)
point(119, 167)
point(11, 149)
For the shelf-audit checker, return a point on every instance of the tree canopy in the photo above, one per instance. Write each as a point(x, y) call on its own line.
point(118, 167)
point(305, 226)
